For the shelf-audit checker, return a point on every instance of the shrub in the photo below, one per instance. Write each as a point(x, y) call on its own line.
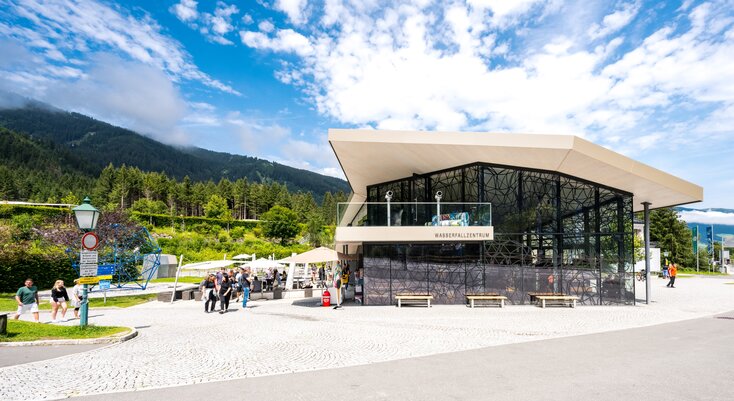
point(15, 267)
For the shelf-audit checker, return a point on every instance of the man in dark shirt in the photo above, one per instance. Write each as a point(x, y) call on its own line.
point(27, 298)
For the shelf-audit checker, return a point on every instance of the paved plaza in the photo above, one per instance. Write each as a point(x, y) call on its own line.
point(179, 344)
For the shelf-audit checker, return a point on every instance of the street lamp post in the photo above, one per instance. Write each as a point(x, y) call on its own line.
point(86, 217)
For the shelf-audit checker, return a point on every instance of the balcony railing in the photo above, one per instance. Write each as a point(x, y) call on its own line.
point(383, 214)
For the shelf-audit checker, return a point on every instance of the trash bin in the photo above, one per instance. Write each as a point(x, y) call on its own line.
point(308, 292)
point(3, 323)
point(277, 293)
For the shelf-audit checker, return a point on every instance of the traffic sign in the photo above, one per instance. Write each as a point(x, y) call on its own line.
point(104, 284)
point(105, 269)
point(90, 241)
point(88, 280)
point(88, 269)
point(88, 258)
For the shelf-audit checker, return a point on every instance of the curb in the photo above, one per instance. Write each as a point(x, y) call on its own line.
point(82, 341)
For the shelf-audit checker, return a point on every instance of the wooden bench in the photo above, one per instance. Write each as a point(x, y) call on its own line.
point(489, 296)
point(414, 297)
point(569, 300)
point(534, 295)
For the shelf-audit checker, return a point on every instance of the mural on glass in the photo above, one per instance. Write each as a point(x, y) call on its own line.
point(553, 233)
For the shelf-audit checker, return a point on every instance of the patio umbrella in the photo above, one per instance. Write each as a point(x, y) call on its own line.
point(263, 263)
point(318, 255)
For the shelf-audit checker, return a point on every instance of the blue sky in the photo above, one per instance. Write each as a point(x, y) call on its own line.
point(267, 78)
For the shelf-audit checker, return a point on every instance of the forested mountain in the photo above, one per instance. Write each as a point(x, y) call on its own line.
point(74, 143)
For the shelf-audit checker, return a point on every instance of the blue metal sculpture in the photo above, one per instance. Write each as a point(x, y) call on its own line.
point(131, 256)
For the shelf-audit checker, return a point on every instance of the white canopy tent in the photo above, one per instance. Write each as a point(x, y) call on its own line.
point(208, 266)
point(244, 256)
point(263, 264)
point(318, 255)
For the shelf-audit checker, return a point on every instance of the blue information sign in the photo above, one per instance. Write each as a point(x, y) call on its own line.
point(104, 285)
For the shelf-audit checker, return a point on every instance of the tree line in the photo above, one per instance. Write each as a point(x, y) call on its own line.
point(129, 188)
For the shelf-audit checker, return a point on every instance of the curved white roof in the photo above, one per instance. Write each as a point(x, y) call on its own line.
point(370, 157)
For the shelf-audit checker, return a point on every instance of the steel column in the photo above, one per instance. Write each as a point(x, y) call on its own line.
point(647, 251)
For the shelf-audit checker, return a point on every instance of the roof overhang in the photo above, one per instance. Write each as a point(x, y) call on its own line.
point(371, 157)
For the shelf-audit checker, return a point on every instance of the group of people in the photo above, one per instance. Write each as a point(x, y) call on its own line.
point(223, 286)
point(28, 300)
point(274, 278)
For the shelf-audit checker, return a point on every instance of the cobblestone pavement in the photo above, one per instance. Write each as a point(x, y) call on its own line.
point(180, 344)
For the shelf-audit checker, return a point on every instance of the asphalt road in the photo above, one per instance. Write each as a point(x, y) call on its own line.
point(10, 356)
point(689, 360)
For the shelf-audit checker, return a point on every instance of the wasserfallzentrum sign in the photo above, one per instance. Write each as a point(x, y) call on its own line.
point(414, 234)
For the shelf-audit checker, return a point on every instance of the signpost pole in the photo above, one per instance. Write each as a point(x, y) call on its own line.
point(85, 307)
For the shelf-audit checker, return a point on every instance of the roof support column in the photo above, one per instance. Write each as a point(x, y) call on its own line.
point(647, 251)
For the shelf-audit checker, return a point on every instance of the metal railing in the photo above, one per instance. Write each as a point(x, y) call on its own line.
point(386, 214)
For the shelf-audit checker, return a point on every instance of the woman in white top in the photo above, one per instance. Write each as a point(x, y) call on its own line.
point(77, 293)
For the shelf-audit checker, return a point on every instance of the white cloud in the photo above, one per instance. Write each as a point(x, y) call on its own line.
point(462, 66)
point(707, 217)
point(284, 40)
point(266, 26)
point(185, 10)
point(126, 93)
point(504, 12)
point(614, 21)
point(219, 24)
point(67, 26)
point(295, 9)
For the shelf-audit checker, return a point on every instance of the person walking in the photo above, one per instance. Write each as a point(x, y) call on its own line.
point(225, 290)
point(59, 298)
point(672, 271)
point(27, 299)
point(665, 269)
point(208, 293)
point(245, 284)
point(269, 279)
point(276, 274)
point(238, 283)
point(322, 276)
point(77, 293)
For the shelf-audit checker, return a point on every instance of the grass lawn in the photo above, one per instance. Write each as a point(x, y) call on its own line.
point(701, 272)
point(7, 302)
point(185, 280)
point(31, 331)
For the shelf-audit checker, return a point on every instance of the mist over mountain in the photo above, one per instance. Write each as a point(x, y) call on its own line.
point(85, 146)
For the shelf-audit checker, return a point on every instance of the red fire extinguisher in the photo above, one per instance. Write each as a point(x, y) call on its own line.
point(326, 298)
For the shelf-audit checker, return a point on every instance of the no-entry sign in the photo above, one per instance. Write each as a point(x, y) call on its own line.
point(90, 241)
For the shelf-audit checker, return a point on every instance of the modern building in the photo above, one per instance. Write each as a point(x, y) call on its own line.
point(451, 213)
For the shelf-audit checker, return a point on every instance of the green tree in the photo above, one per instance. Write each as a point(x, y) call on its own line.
point(217, 208)
point(279, 223)
point(149, 206)
point(314, 229)
point(673, 236)
point(70, 199)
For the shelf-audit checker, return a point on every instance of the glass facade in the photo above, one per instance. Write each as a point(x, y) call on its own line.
point(553, 233)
